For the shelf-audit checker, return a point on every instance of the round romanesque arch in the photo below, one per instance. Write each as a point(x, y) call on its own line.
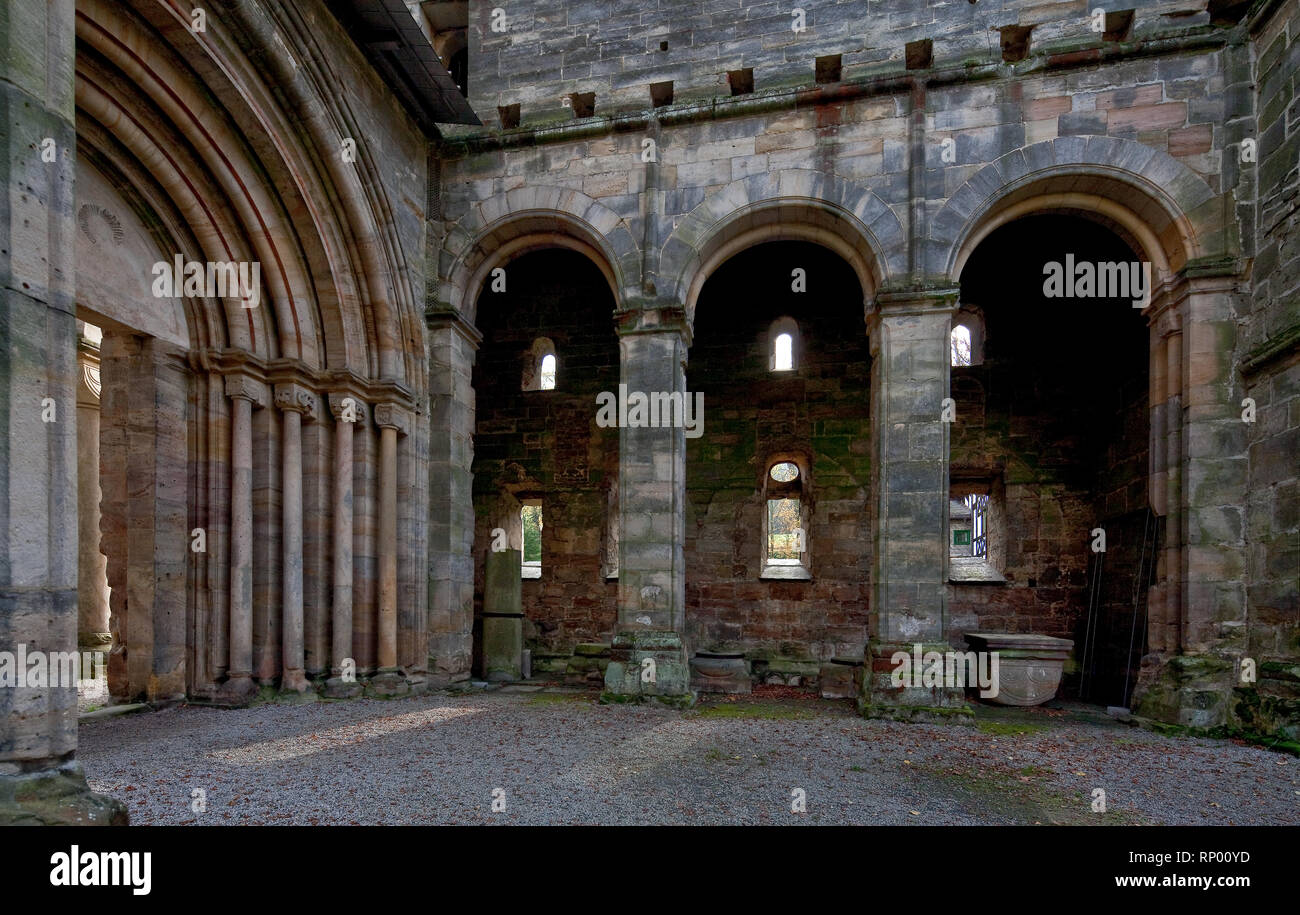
point(225, 146)
point(792, 205)
point(501, 228)
point(1150, 199)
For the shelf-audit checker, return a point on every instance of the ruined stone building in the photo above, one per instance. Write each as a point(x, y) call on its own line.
point(476, 224)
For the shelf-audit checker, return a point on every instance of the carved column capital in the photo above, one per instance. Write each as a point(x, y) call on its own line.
point(296, 399)
point(392, 416)
point(347, 406)
point(242, 387)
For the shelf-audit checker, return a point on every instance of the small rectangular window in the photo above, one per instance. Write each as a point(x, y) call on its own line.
point(960, 538)
point(531, 517)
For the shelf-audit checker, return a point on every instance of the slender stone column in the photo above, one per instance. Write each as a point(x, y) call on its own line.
point(392, 420)
point(348, 410)
point(296, 403)
point(92, 565)
point(910, 363)
point(245, 394)
point(648, 656)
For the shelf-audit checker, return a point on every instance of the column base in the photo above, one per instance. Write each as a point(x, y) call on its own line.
point(239, 690)
point(648, 664)
point(338, 688)
point(296, 688)
point(387, 684)
point(912, 701)
point(56, 797)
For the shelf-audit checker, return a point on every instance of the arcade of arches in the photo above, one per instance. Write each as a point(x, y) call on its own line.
point(386, 469)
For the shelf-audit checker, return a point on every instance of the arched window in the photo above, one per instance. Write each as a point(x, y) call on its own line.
point(783, 345)
point(967, 338)
point(960, 337)
point(540, 366)
point(785, 522)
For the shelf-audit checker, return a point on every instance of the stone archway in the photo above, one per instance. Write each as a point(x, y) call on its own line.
point(1172, 218)
point(795, 204)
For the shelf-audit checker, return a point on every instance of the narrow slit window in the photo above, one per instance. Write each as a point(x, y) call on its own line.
point(961, 348)
point(783, 357)
point(530, 515)
point(783, 345)
point(548, 373)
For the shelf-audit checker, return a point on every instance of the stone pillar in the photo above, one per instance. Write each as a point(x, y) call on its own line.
point(40, 778)
point(910, 360)
point(452, 346)
point(92, 566)
point(348, 410)
point(503, 616)
point(392, 421)
point(245, 394)
point(295, 403)
point(1198, 634)
point(649, 655)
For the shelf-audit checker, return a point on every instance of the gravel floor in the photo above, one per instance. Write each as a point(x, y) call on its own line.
point(554, 757)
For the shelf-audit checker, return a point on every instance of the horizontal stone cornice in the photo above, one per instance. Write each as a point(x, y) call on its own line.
point(444, 316)
point(271, 373)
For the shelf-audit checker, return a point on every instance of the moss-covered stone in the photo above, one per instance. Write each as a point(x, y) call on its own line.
point(56, 797)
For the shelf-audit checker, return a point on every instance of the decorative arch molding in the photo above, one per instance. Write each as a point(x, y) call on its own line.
point(501, 228)
point(1149, 198)
point(262, 170)
point(791, 205)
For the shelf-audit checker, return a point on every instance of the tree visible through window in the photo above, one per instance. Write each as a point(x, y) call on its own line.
point(530, 515)
point(783, 529)
point(785, 545)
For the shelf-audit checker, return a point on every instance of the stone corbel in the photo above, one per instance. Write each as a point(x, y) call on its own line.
point(392, 416)
point(296, 398)
point(242, 387)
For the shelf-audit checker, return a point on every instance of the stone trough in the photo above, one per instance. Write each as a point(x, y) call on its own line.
point(1029, 665)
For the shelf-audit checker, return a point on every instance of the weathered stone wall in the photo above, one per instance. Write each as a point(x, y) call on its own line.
point(540, 52)
point(1270, 345)
point(1170, 102)
point(754, 417)
point(546, 444)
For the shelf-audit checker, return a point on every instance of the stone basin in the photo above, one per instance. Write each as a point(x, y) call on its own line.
point(1029, 664)
point(720, 672)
